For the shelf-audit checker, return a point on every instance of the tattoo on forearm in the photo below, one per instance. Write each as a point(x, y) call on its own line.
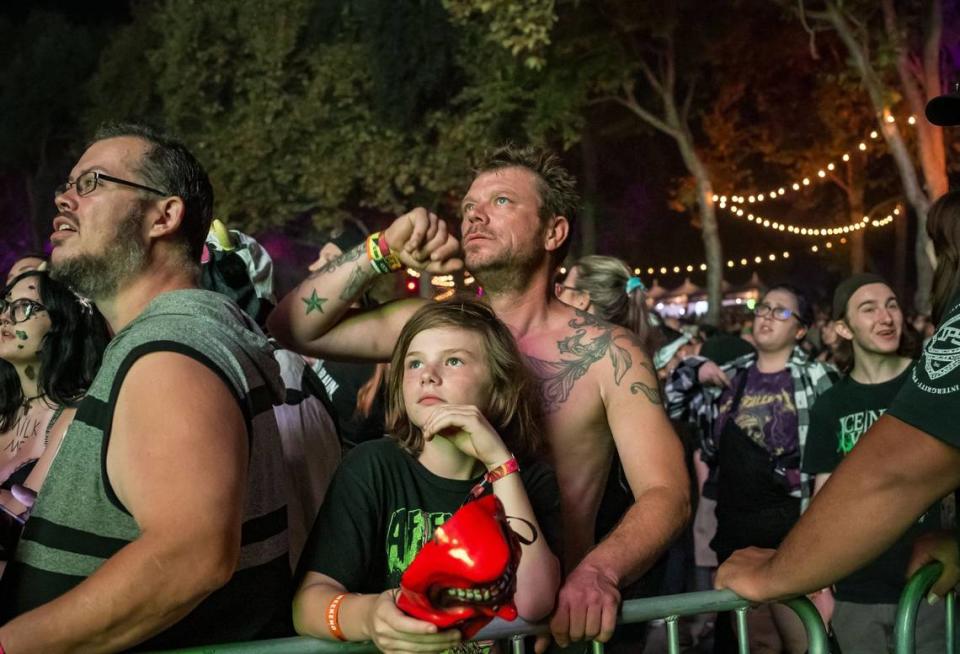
point(557, 378)
point(346, 257)
point(358, 278)
point(314, 302)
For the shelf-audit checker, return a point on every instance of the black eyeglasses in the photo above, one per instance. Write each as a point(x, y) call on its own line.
point(87, 183)
point(559, 288)
point(21, 310)
point(778, 313)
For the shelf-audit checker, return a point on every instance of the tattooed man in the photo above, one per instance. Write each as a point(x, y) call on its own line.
point(598, 387)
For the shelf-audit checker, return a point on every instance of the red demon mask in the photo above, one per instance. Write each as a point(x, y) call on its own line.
point(467, 573)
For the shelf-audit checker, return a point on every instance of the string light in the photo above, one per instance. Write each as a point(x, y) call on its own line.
point(801, 230)
point(757, 197)
point(744, 262)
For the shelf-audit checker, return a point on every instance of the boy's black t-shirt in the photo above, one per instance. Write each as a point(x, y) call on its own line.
point(383, 506)
point(837, 421)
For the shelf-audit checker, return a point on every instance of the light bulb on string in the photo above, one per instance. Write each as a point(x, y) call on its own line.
point(830, 166)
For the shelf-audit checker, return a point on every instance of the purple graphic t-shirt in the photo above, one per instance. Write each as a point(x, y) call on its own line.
point(767, 413)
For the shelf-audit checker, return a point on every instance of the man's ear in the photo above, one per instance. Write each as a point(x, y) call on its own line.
point(558, 229)
point(843, 330)
point(167, 218)
point(801, 333)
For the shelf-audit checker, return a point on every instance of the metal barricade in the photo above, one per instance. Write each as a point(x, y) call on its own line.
point(915, 592)
point(668, 607)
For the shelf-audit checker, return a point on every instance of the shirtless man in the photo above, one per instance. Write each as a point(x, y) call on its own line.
point(599, 388)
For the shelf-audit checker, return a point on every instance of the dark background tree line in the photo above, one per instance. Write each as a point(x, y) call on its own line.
point(307, 111)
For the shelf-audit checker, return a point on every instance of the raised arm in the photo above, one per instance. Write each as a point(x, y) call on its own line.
point(538, 574)
point(653, 461)
point(182, 475)
point(311, 318)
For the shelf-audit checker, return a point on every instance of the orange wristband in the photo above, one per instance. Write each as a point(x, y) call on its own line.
point(333, 617)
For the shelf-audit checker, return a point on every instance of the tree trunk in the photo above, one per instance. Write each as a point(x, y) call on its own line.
point(588, 214)
point(853, 187)
point(857, 248)
point(930, 145)
point(673, 122)
point(709, 231)
point(901, 236)
point(912, 190)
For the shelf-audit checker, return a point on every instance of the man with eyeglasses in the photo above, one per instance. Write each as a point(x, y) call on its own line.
point(162, 521)
point(754, 414)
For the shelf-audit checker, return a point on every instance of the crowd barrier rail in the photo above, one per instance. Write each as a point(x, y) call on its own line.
point(915, 592)
point(669, 608)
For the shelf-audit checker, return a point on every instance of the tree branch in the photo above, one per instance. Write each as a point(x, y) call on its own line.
point(802, 11)
point(839, 182)
point(630, 102)
point(671, 70)
point(688, 99)
point(651, 78)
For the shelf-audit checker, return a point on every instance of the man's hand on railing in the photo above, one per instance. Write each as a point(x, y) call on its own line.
point(937, 546)
point(392, 630)
point(745, 573)
point(587, 608)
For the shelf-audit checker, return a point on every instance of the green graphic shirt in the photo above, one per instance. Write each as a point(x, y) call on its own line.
point(837, 421)
point(383, 506)
point(929, 399)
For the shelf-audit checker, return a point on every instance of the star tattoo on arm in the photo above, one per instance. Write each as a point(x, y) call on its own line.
point(314, 302)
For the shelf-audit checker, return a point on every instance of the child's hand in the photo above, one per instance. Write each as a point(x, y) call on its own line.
point(392, 630)
point(466, 427)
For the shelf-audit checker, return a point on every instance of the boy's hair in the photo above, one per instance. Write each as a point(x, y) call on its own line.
point(555, 185)
point(514, 409)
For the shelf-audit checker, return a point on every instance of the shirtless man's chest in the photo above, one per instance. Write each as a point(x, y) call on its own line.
point(573, 361)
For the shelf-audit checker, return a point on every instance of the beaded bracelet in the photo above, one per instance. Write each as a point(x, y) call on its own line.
point(333, 617)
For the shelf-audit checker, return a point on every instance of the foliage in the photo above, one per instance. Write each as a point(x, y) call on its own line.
point(522, 28)
point(377, 105)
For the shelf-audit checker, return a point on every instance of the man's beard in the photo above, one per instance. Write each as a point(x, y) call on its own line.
point(506, 271)
point(99, 276)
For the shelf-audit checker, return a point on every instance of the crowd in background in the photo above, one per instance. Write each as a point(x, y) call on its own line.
point(150, 379)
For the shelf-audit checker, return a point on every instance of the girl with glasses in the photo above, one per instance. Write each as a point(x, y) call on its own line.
point(754, 415)
point(51, 342)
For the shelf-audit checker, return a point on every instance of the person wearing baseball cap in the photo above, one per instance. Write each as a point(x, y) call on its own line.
point(869, 323)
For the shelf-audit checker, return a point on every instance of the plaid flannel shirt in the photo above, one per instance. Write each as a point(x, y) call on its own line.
point(689, 400)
